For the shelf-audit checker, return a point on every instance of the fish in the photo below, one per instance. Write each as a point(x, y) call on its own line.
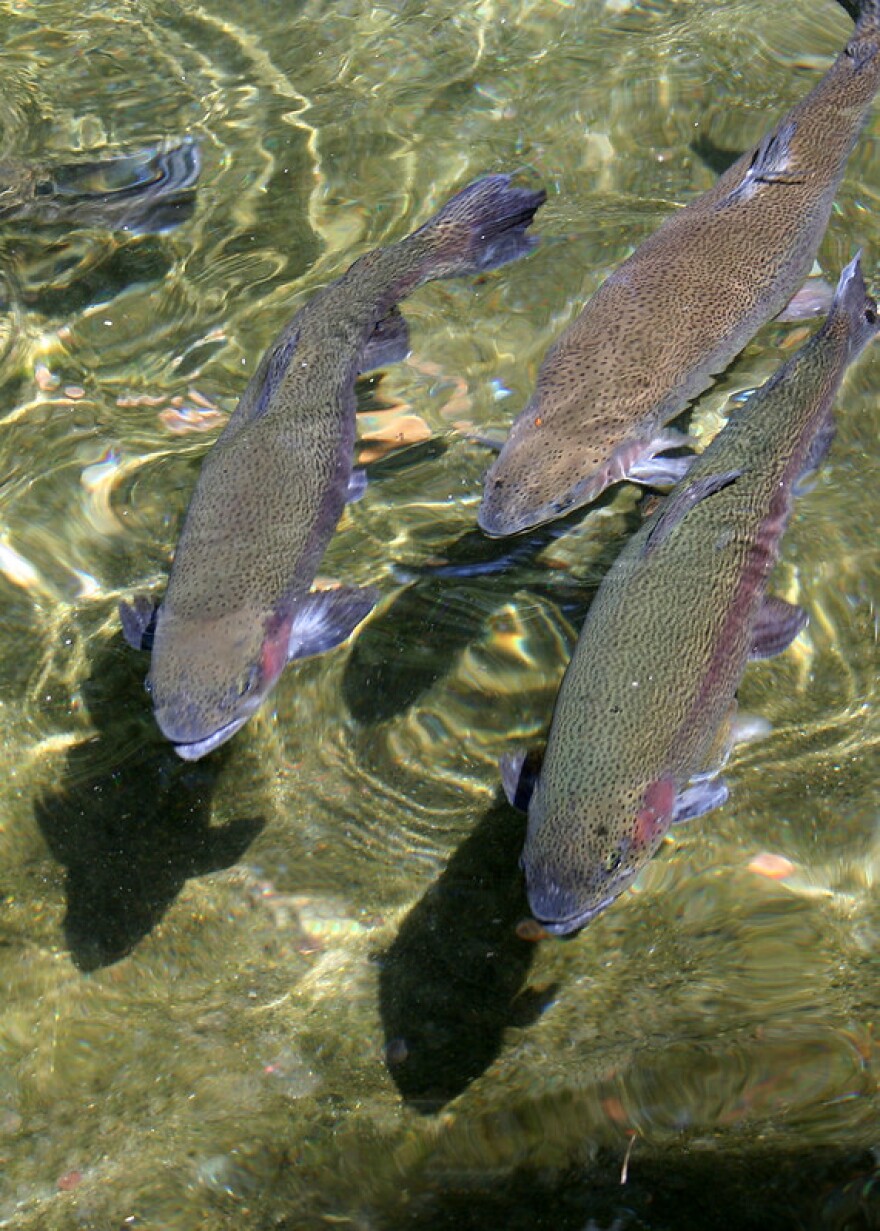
point(681, 307)
point(239, 604)
point(646, 713)
point(148, 191)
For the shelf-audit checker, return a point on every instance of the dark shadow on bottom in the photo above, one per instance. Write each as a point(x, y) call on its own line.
point(451, 983)
point(389, 668)
point(666, 1190)
point(129, 820)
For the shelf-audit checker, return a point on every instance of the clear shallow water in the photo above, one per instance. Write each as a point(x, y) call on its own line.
point(284, 987)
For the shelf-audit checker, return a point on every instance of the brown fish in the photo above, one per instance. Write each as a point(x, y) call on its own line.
point(147, 191)
point(239, 603)
point(644, 716)
point(682, 306)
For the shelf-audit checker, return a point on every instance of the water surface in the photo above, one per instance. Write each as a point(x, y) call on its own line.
point(283, 987)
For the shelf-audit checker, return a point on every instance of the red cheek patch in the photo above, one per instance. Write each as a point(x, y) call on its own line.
point(274, 652)
point(655, 813)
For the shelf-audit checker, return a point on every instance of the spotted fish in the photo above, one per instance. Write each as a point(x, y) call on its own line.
point(147, 191)
point(239, 604)
point(682, 306)
point(644, 717)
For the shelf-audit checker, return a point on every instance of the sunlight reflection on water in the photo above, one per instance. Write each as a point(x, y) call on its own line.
point(231, 989)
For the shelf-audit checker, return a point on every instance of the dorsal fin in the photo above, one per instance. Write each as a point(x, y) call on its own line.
point(771, 164)
point(257, 397)
point(682, 500)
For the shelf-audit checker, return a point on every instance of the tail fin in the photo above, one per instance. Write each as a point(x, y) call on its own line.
point(482, 226)
point(865, 13)
point(151, 190)
point(851, 299)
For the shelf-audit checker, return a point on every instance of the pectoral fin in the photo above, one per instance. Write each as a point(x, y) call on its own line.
point(326, 618)
point(813, 299)
point(777, 625)
point(139, 621)
point(701, 796)
point(660, 471)
point(651, 468)
point(388, 343)
point(519, 775)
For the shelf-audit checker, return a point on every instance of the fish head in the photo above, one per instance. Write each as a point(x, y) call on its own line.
point(209, 676)
point(854, 311)
point(541, 473)
point(581, 853)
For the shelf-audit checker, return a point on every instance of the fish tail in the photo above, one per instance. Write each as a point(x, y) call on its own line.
point(852, 301)
point(865, 13)
point(482, 226)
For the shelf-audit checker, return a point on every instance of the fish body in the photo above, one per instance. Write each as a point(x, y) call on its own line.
point(642, 722)
point(147, 191)
point(238, 605)
point(681, 307)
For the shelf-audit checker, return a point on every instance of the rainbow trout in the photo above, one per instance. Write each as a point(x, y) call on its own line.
point(238, 605)
point(150, 190)
point(644, 717)
point(681, 307)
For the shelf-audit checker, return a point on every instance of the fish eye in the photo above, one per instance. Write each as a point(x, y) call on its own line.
point(870, 316)
point(612, 862)
point(148, 684)
point(249, 681)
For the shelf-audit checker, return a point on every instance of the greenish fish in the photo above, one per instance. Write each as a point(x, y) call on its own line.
point(146, 191)
point(645, 715)
point(681, 307)
point(239, 605)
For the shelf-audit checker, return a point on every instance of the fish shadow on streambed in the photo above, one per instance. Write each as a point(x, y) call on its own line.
point(452, 981)
point(76, 232)
point(389, 669)
point(716, 157)
point(129, 821)
point(740, 1186)
point(71, 274)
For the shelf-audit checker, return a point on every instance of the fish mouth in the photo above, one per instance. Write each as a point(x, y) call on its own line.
point(498, 521)
point(572, 924)
point(497, 524)
point(196, 749)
